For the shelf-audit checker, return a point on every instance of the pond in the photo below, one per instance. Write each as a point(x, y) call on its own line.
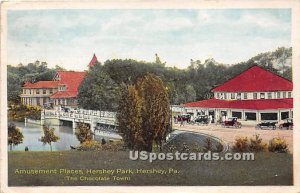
point(32, 134)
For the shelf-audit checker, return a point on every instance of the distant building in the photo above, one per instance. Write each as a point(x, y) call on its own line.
point(62, 90)
point(256, 94)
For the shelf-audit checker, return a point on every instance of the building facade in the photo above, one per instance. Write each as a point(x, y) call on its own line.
point(62, 90)
point(254, 95)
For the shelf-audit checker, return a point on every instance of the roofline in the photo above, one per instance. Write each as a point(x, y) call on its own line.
point(253, 65)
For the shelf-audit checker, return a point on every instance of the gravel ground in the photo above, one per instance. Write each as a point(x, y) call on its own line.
point(230, 134)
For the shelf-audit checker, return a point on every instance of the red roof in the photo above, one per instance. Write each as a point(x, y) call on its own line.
point(258, 104)
point(41, 84)
point(64, 94)
point(255, 79)
point(72, 80)
point(93, 61)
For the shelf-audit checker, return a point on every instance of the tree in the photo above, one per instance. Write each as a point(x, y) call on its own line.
point(129, 116)
point(155, 111)
point(190, 93)
point(15, 136)
point(49, 136)
point(83, 133)
point(98, 91)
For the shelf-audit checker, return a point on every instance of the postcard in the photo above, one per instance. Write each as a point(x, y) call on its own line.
point(137, 96)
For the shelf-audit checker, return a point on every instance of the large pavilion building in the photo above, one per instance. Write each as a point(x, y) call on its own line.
point(254, 95)
point(61, 91)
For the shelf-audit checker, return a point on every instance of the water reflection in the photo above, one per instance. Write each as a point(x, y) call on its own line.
point(32, 134)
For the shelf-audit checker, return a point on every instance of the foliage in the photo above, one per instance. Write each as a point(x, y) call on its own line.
point(90, 145)
point(17, 75)
point(155, 111)
point(278, 145)
point(129, 116)
point(256, 144)
point(93, 145)
point(18, 112)
point(98, 91)
point(143, 114)
point(241, 144)
point(15, 136)
point(83, 132)
point(49, 136)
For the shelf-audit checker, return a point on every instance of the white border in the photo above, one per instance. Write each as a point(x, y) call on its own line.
point(151, 4)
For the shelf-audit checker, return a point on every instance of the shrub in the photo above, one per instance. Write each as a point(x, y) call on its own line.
point(278, 145)
point(90, 145)
point(256, 144)
point(241, 144)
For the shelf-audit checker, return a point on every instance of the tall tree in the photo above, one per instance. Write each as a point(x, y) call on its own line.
point(49, 136)
point(155, 111)
point(129, 117)
point(15, 136)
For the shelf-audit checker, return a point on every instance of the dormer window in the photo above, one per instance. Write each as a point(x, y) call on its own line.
point(289, 94)
point(62, 87)
point(245, 95)
point(262, 95)
point(238, 96)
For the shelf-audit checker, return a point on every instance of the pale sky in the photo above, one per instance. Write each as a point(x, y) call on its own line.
point(69, 38)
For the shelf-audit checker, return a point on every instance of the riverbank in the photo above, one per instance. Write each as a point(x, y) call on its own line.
point(71, 169)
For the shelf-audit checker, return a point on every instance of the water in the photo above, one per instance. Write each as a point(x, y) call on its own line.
point(32, 134)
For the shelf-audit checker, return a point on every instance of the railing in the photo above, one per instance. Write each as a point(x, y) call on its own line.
point(81, 114)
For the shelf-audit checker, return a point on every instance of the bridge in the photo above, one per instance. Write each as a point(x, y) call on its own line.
point(98, 120)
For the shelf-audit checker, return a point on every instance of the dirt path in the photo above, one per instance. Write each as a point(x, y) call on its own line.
point(230, 134)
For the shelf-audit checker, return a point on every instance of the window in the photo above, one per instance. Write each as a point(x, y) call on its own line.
point(278, 95)
point(37, 91)
point(250, 116)
point(245, 95)
point(44, 91)
point(232, 95)
point(289, 94)
point(225, 95)
point(238, 96)
point(237, 114)
point(29, 91)
point(284, 95)
point(269, 95)
point(51, 91)
point(254, 95)
point(262, 95)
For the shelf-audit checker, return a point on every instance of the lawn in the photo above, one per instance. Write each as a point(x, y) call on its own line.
point(267, 169)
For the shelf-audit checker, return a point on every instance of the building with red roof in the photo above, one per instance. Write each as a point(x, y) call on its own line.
point(62, 90)
point(256, 94)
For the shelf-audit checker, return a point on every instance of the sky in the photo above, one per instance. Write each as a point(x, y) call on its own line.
point(69, 38)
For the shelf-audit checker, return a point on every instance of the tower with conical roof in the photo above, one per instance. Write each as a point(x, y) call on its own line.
point(93, 61)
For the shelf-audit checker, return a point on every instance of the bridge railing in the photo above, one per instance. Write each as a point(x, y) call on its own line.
point(78, 114)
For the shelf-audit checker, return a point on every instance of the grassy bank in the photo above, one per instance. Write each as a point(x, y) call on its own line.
point(267, 169)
